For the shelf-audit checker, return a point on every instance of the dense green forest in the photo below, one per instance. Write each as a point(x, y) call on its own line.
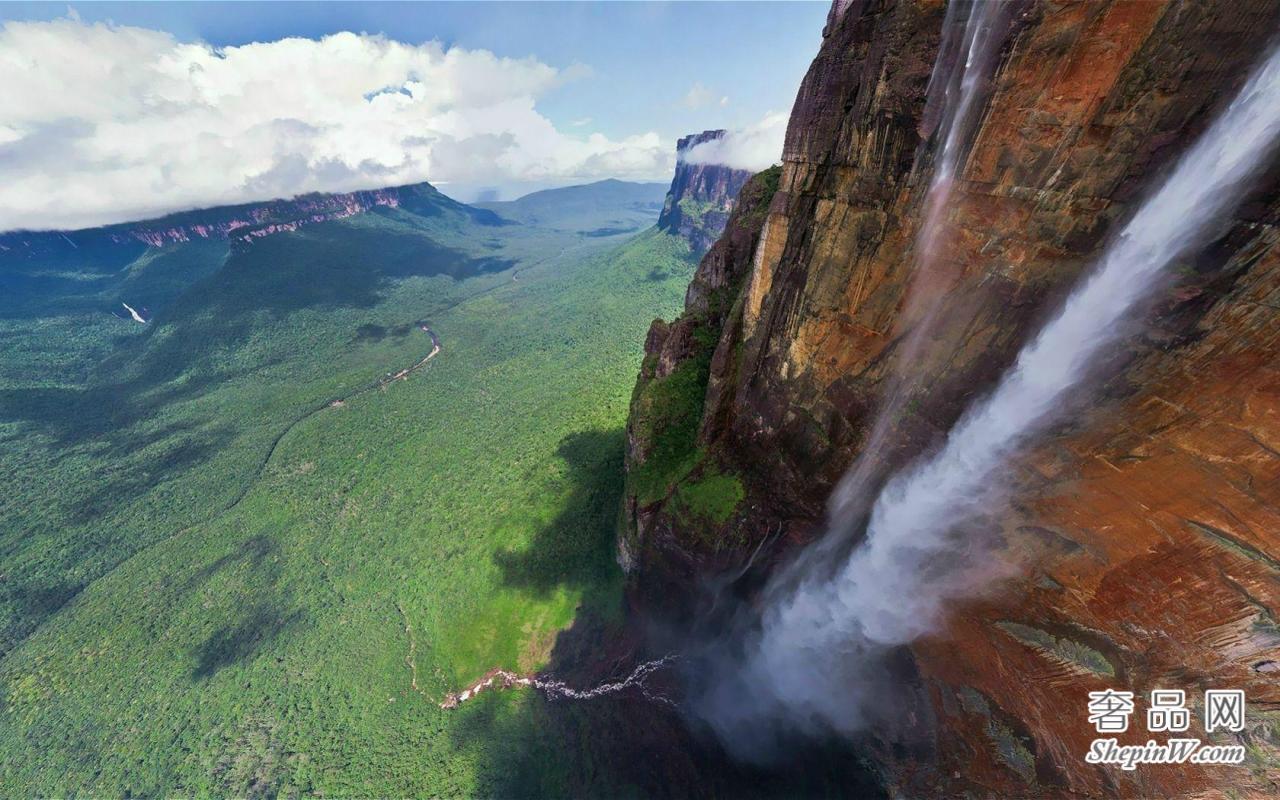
point(241, 558)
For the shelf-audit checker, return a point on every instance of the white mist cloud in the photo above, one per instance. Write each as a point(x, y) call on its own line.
point(755, 147)
point(106, 123)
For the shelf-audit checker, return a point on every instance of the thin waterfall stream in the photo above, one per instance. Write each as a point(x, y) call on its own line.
point(972, 36)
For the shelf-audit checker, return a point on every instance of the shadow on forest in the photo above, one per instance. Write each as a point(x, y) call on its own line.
point(326, 266)
point(184, 449)
point(175, 358)
point(265, 616)
point(258, 625)
point(576, 549)
point(183, 353)
point(207, 299)
point(621, 745)
point(258, 553)
point(27, 604)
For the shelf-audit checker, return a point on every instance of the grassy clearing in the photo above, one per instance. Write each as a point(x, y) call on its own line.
point(713, 498)
point(204, 574)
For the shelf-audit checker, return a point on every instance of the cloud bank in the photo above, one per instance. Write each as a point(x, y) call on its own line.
point(104, 123)
point(755, 147)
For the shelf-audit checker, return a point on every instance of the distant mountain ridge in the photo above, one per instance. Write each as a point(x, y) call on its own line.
point(701, 196)
point(603, 208)
point(246, 222)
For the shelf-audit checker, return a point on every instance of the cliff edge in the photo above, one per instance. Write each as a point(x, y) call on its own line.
point(1146, 528)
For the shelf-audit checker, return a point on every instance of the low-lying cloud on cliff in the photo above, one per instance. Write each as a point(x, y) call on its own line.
point(754, 148)
point(104, 123)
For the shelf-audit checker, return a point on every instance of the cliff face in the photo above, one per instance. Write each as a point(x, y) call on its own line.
point(255, 221)
point(701, 195)
point(671, 399)
point(1147, 529)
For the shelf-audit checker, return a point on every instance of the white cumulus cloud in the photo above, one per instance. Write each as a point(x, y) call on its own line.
point(106, 123)
point(754, 147)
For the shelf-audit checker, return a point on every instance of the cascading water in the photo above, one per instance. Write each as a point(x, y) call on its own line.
point(813, 663)
point(972, 35)
point(979, 43)
point(559, 690)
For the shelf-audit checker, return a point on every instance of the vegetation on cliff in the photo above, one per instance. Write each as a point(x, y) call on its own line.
point(668, 464)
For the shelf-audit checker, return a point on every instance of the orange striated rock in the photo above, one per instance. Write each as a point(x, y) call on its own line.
point(1164, 508)
point(1146, 531)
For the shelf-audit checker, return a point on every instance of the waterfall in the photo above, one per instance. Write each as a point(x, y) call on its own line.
point(979, 42)
point(972, 34)
point(134, 314)
point(815, 661)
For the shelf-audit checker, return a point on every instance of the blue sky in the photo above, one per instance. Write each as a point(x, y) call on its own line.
point(644, 56)
point(621, 70)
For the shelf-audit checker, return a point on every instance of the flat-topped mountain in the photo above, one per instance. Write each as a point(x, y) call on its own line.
point(246, 222)
point(701, 196)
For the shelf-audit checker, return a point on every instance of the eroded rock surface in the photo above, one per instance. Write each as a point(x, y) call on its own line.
point(1147, 530)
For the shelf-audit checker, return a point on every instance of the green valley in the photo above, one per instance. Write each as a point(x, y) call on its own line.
point(243, 557)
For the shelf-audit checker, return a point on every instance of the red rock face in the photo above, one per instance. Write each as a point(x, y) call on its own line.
point(241, 224)
point(246, 223)
point(1146, 530)
point(701, 196)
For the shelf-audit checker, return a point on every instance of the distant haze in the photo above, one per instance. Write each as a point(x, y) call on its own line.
point(116, 123)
